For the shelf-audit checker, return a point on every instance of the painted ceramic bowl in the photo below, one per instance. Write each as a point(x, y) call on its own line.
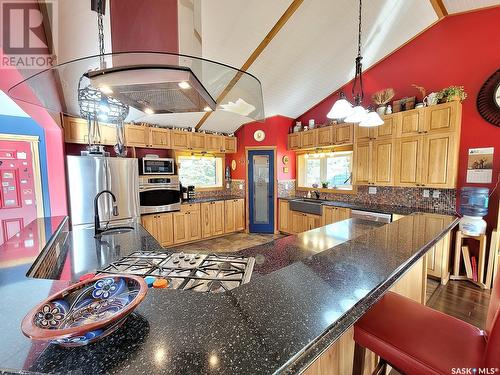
point(85, 312)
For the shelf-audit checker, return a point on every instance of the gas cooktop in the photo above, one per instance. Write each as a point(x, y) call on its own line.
point(214, 273)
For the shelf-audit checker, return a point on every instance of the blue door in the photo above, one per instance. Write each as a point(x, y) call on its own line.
point(261, 190)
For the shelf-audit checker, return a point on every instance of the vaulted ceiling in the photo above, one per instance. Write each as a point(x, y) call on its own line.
point(310, 57)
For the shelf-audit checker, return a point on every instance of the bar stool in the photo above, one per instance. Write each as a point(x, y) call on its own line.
point(415, 339)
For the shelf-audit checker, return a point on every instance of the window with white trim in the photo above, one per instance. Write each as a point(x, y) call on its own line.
point(201, 171)
point(325, 170)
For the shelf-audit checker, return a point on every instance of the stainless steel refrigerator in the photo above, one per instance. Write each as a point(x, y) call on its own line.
point(89, 175)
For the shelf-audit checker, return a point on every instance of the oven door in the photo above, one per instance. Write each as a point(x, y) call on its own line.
point(157, 166)
point(154, 199)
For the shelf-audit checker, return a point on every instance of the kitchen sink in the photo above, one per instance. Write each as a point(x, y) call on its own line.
point(116, 230)
point(307, 205)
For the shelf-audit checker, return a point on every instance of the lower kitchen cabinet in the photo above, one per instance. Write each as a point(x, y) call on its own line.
point(333, 214)
point(302, 222)
point(234, 215)
point(161, 227)
point(212, 219)
point(284, 216)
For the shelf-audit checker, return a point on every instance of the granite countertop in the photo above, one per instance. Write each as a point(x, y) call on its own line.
point(212, 199)
point(305, 292)
point(383, 208)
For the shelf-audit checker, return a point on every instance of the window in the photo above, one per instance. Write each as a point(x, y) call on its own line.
point(333, 169)
point(201, 171)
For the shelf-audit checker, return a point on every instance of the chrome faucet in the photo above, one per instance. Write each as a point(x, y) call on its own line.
point(316, 192)
point(97, 220)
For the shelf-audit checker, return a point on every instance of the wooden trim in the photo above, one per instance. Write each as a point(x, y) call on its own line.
point(247, 204)
point(256, 53)
point(34, 141)
point(439, 8)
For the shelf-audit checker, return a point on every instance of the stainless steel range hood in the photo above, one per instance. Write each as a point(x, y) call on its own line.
point(154, 88)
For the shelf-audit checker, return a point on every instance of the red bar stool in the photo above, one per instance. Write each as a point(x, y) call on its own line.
point(415, 339)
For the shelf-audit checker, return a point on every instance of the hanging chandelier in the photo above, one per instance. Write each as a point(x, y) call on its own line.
point(342, 109)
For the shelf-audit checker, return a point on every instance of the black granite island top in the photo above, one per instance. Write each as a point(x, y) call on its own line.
point(306, 291)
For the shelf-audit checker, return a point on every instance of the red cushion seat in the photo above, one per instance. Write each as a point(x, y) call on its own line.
point(418, 340)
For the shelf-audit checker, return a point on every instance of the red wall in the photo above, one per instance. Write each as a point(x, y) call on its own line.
point(276, 129)
point(459, 50)
point(146, 25)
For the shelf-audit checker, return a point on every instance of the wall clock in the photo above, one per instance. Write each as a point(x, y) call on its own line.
point(285, 159)
point(488, 99)
point(259, 135)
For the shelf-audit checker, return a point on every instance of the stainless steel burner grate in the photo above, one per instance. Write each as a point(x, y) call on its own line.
point(212, 273)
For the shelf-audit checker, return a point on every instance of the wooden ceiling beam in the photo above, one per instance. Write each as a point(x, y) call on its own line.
point(256, 53)
point(439, 8)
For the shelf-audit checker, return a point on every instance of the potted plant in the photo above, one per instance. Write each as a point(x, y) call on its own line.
point(324, 184)
point(451, 94)
point(381, 98)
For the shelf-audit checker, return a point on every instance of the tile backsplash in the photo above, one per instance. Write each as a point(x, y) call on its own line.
point(386, 195)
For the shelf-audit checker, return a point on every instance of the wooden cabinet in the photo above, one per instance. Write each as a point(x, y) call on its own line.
point(283, 218)
point(363, 133)
point(374, 162)
point(234, 215)
point(187, 223)
point(382, 163)
point(179, 140)
point(180, 227)
point(362, 163)
point(427, 161)
point(214, 142)
point(212, 219)
point(197, 141)
point(334, 214)
point(411, 123)
point(294, 141)
point(308, 139)
point(409, 152)
point(230, 145)
point(443, 118)
point(343, 134)
point(108, 134)
point(160, 226)
point(136, 135)
point(300, 222)
point(159, 138)
point(312, 222)
point(324, 136)
point(75, 130)
point(390, 127)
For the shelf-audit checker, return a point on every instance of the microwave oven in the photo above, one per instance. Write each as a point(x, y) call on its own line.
point(151, 165)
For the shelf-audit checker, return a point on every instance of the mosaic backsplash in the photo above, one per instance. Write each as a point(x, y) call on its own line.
point(233, 190)
point(386, 195)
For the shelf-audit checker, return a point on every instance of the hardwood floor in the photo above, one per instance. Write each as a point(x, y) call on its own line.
point(463, 300)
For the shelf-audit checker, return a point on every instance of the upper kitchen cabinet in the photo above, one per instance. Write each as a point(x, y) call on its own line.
point(197, 141)
point(308, 139)
point(374, 162)
point(180, 140)
point(76, 131)
point(325, 136)
point(294, 141)
point(439, 160)
point(159, 138)
point(343, 134)
point(443, 118)
point(214, 142)
point(388, 130)
point(412, 122)
point(230, 145)
point(136, 135)
point(409, 152)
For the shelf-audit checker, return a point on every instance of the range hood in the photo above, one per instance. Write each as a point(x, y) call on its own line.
point(154, 83)
point(154, 88)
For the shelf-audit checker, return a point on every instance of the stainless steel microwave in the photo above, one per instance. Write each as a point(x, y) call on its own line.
point(151, 165)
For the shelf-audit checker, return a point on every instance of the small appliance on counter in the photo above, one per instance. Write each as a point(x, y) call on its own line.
point(159, 194)
point(473, 207)
point(190, 191)
point(184, 192)
point(152, 164)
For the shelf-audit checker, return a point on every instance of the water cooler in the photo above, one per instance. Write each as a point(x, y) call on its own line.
point(473, 207)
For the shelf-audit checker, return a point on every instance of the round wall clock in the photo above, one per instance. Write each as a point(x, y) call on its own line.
point(285, 159)
point(488, 99)
point(259, 135)
point(233, 165)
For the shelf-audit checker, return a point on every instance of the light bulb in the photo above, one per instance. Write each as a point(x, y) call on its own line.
point(149, 111)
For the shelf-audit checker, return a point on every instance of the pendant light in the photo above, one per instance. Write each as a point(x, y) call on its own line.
point(342, 109)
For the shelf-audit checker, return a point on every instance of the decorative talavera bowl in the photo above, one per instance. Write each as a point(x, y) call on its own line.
point(85, 312)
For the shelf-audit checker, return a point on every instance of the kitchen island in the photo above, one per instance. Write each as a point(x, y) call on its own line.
point(306, 291)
